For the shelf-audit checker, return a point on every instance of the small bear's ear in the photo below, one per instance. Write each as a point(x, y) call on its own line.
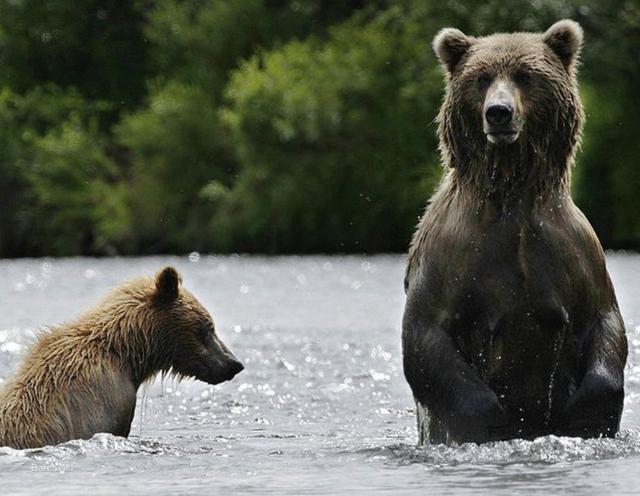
point(167, 282)
point(565, 39)
point(450, 45)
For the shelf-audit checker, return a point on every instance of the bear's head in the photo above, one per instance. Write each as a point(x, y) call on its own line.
point(185, 335)
point(512, 111)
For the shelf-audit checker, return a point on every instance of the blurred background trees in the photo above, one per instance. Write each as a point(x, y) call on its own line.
point(272, 127)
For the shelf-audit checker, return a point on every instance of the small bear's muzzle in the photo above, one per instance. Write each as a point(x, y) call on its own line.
point(221, 364)
point(233, 368)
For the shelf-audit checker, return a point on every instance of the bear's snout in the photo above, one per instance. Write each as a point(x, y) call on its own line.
point(233, 368)
point(222, 368)
point(499, 113)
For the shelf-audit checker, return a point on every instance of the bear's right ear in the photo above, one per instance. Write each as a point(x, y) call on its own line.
point(167, 282)
point(450, 45)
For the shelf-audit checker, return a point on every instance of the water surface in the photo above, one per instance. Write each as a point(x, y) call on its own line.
point(322, 407)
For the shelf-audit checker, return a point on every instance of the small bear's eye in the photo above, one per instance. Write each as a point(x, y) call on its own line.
point(522, 78)
point(205, 332)
point(484, 81)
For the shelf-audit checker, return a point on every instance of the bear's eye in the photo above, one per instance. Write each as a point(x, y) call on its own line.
point(483, 81)
point(522, 78)
point(205, 332)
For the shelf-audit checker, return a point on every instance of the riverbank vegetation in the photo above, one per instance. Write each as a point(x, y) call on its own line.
point(290, 126)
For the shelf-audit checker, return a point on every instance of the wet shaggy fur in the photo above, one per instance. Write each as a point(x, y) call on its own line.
point(82, 377)
point(511, 325)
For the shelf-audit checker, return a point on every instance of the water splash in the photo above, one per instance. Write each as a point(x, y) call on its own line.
point(558, 343)
point(543, 450)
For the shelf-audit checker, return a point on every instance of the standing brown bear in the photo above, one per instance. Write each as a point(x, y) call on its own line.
point(82, 378)
point(511, 325)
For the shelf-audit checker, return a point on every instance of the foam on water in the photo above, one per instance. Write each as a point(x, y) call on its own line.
point(543, 450)
point(98, 444)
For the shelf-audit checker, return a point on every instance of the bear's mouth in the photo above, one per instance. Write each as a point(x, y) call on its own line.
point(502, 137)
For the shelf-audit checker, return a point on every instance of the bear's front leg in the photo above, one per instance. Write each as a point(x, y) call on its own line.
point(595, 408)
point(444, 383)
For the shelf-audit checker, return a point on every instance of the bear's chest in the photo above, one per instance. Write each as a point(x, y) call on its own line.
point(512, 321)
point(509, 268)
point(511, 307)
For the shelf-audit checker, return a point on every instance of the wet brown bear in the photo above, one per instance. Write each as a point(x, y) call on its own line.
point(82, 378)
point(511, 325)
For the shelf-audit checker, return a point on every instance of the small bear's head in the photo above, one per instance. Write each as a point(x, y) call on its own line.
point(510, 92)
point(186, 334)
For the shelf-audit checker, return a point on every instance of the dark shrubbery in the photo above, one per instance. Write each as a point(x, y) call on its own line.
point(272, 127)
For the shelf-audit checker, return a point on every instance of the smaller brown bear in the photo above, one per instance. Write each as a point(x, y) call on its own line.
point(82, 378)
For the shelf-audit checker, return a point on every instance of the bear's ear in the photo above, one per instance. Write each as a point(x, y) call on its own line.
point(450, 45)
point(167, 282)
point(565, 39)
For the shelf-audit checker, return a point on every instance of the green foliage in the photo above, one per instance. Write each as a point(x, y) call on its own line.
point(608, 180)
point(200, 41)
point(69, 176)
point(15, 195)
point(329, 134)
point(95, 46)
point(29, 127)
point(288, 126)
point(176, 149)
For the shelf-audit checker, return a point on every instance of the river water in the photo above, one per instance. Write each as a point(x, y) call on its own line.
point(322, 407)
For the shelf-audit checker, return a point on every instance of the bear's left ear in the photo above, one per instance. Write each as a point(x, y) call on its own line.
point(167, 282)
point(450, 45)
point(565, 39)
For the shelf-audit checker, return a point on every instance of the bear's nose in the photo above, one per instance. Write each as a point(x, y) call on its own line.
point(498, 114)
point(234, 368)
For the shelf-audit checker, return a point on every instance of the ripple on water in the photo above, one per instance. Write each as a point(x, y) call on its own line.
point(100, 443)
point(543, 450)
